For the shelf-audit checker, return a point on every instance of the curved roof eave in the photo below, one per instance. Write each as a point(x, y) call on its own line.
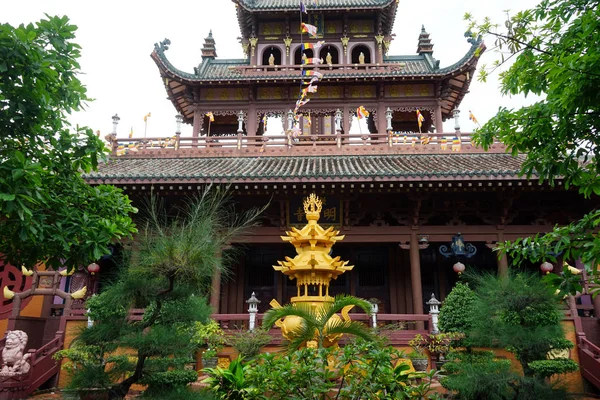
point(172, 72)
point(331, 6)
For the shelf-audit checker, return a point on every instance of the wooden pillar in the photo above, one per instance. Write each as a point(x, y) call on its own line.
point(251, 121)
point(346, 120)
point(198, 120)
point(215, 292)
point(439, 124)
point(381, 121)
point(415, 277)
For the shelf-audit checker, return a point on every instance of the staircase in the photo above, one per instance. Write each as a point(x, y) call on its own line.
point(43, 367)
point(589, 355)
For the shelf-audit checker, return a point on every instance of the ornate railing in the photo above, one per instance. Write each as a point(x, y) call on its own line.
point(399, 328)
point(43, 367)
point(409, 142)
point(589, 355)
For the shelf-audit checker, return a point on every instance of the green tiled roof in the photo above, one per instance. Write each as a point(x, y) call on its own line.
point(278, 5)
point(216, 69)
point(483, 166)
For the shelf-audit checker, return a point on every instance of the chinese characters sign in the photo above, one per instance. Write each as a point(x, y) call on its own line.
point(331, 213)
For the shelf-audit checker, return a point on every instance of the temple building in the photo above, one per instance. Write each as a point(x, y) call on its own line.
point(415, 205)
point(404, 193)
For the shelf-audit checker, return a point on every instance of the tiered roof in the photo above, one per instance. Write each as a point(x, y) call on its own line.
point(236, 71)
point(364, 168)
point(247, 8)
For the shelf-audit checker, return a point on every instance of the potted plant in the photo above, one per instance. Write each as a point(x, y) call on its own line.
point(209, 338)
point(436, 344)
point(418, 356)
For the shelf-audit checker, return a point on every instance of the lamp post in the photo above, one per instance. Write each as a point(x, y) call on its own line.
point(459, 249)
point(434, 311)
point(178, 121)
point(374, 311)
point(115, 119)
point(240, 118)
point(253, 303)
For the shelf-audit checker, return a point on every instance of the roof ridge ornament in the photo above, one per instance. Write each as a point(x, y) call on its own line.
point(162, 46)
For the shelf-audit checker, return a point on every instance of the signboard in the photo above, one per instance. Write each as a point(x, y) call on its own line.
point(331, 213)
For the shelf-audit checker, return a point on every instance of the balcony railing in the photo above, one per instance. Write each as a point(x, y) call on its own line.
point(404, 142)
point(275, 70)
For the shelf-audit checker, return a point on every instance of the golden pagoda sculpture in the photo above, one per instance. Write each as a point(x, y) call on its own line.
point(312, 267)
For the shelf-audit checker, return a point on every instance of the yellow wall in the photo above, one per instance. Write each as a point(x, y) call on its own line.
point(32, 309)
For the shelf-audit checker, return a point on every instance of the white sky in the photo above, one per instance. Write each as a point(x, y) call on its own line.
point(118, 36)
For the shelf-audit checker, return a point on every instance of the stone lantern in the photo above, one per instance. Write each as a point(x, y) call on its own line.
point(434, 311)
point(253, 303)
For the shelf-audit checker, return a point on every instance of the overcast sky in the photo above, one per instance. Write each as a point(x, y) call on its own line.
point(118, 36)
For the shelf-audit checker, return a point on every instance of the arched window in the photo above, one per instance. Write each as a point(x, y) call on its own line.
point(356, 54)
point(298, 57)
point(332, 51)
point(266, 56)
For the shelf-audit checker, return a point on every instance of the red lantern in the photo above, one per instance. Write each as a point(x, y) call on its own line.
point(458, 267)
point(93, 268)
point(546, 267)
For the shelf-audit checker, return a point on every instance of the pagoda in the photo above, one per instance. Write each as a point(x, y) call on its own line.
point(398, 192)
point(313, 268)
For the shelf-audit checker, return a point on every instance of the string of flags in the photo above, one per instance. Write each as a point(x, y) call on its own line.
point(125, 148)
point(472, 118)
point(307, 86)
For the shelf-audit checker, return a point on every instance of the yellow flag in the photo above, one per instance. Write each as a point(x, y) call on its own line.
point(146, 117)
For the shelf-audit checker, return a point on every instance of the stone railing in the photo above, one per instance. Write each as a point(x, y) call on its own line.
point(376, 143)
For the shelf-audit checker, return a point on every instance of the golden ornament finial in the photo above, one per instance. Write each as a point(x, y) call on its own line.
point(312, 204)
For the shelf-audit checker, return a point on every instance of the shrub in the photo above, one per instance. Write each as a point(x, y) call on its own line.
point(168, 381)
point(456, 314)
point(479, 375)
point(359, 370)
point(249, 343)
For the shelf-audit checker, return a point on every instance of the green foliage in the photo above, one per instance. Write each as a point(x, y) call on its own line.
point(479, 375)
point(230, 383)
point(520, 313)
point(359, 370)
point(249, 343)
point(169, 276)
point(557, 48)
point(547, 368)
point(90, 366)
point(47, 211)
point(318, 323)
point(168, 381)
point(439, 344)
point(456, 314)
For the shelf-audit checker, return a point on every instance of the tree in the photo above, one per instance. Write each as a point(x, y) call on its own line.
point(456, 314)
point(319, 324)
point(48, 213)
point(556, 46)
point(520, 313)
point(169, 275)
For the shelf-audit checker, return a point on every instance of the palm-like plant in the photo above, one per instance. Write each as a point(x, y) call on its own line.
point(319, 323)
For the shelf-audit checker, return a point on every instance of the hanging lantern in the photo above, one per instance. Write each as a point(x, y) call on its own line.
point(458, 267)
point(93, 268)
point(546, 267)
